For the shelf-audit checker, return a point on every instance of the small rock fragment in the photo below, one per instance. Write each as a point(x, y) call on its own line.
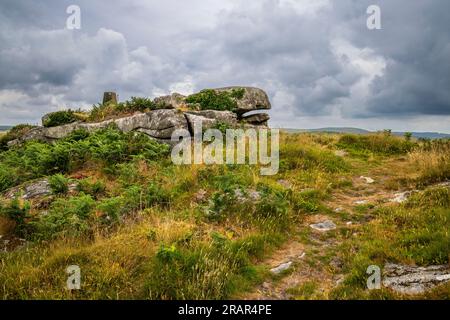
point(368, 179)
point(324, 226)
point(401, 197)
point(284, 183)
point(282, 267)
point(340, 153)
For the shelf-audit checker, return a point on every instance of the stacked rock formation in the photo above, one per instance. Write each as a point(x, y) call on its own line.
point(174, 113)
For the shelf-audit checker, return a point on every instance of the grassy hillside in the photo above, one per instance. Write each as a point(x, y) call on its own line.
point(141, 227)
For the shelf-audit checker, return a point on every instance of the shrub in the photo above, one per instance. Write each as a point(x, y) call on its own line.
point(296, 156)
point(106, 147)
point(156, 195)
point(93, 188)
point(381, 143)
point(102, 112)
point(59, 118)
point(7, 177)
point(59, 184)
point(199, 274)
point(432, 161)
point(14, 133)
point(65, 217)
point(16, 211)
point(215, 100)
point(111, 208)
point(137, 104)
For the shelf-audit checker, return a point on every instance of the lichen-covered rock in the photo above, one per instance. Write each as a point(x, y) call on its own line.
point(209, 118)
point(414, 280)
point(173, 101)
point(252, 99)
point(259, 119)
point(31, 190)
point(34, 189)
point(158, 124)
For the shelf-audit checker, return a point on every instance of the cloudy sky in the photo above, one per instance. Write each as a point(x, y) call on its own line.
point(318, 61)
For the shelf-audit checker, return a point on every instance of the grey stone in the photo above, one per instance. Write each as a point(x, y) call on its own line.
point(173, 101)
point(34, 189)
point(209, 118)
point(401, 197)
point(340, 153)
point(412, 280)
point(157, 123)
point(324, 226)
point(368, 180)
point(282, 267)
point(249, 195)
point(285, 184)
point(256, 119)
point(253, 99)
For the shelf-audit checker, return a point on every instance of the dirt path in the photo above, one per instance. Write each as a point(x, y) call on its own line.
point(314, 267)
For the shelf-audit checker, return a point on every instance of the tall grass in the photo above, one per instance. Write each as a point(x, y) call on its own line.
point(432, 161)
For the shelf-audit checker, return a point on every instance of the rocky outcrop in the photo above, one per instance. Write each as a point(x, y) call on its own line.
point(414, 280)
point(34, 189)
point(253, 99)
point(173, 101)
point(259, 119)
point(31, 190)
point(158, 124)
point(174, 113)
point(210, 118)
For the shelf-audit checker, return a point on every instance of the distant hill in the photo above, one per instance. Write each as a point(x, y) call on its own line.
point(5, 128)
point(426, 135)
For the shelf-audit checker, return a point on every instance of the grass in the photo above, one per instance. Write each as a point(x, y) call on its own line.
point(140, 227)
point(416, 232)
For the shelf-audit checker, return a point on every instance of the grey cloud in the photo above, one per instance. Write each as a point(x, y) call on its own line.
point(313, 62)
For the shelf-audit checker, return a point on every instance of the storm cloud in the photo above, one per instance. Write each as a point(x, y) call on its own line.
point(317, 59)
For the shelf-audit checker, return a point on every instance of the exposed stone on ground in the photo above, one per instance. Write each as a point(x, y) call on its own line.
point(200, 195)
point(340, 153)
point(361, 202)
point(285, 184)
point(324, 226)
point(401, 197)
point(282, 267)
point(412, 280)
point(34, 189)
point(248, 195)
point(11, 242)
point(367, 179)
